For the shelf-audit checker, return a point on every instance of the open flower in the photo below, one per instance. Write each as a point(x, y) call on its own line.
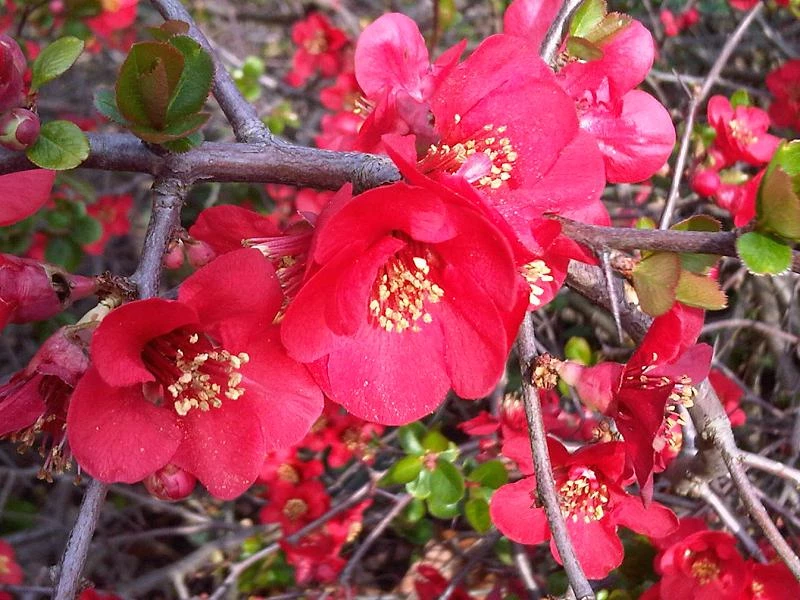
point(741, 132)
point(784, 83)
point(411, 291)
point(319, 47)
point(202, 383)
point(590, 486)
point(659, 376)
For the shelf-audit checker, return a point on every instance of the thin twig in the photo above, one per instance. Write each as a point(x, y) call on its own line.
point(74, 558)
point(526, 572)
point(705, 493)
point(767, 330)
point(552, 38)
point(773, 467)
point(694, 105)
point(545, 484)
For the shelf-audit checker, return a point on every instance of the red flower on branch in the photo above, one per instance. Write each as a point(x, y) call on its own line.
point(640, 394)
point(112, 212)
point(201, 382)
point(10, 571)
point(741, 132)
point(411, 291)
point(295, 505)
point(319, 47)
point(592, 499)
point(23, 193)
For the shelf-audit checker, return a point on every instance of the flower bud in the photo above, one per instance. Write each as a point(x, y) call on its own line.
point(12, 72)
point(199, 253)
point(32, 291)
point(173, 258)
point(170, 483)
point(19, 128)
point(705, 182)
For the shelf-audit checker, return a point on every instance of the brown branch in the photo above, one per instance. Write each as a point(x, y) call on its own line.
point(552, 38)
point(722, 243)
point(694, 105)
point(228, 162)
point(545, 484)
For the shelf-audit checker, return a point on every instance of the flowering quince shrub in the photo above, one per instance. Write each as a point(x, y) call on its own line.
point(383, 365)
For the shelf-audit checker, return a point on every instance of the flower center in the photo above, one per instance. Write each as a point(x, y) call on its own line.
point(401, 290)
point(288, 473)
point(4, 568)
point(705, 570)
point(317, 43)
point(741, 132)
point(486, 158)
point(294, 508)
point(583, 497)
point(534, 272)
point(193, 371)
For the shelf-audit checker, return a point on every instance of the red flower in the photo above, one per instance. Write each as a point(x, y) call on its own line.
point(393, 68)
point(115, 15)
point(784, 83)
point(12, 74)
point(411, 292)
point(740, 200)
point(319, 47)
point(34, 401)
point(430, 584)
point(33, 291)
point(772, 581)
point(285, 466)
point(659, 375)
point(23, 194)
point(633, 130)
point(201, 382)
point(339, 131)
point(112, 212)
point(741, 132)
point(344, 436)
point(530, 19)
point(592, 499)
point(703, 566)
point(295, 505)
point(10, 571)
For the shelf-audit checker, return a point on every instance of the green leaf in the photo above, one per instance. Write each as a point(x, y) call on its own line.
point(655, 279)
point(61, 145)
point(194, 85)
point(583, 49)
point(141, 60)
point(173, 131)
point(447, 484)
point(184, 144)
point(588, 16)
point(168, 29)
point(610, 26)
point(409, 437)
point(778, 204)
point(155, 91)
point(740, 98)
point(698, 263)
point(421, 486)
point(578, 350)
point(434, 441)
point(491, 474)
point(86, 230)
point(405, 470)
point(477, 512)
point(414, 511)
point(64, 252)
point(700, 291)
point(106, 105)
point(419, 534)
point(763, 254)
point(442, 510)
point(55, 60)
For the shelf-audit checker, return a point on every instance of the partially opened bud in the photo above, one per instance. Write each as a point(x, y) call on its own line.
point(173, 257)
point(32, 291)
point(595, 386)
point(199, 253)
point(19, 128)
point(170, 483)
point(705, 182)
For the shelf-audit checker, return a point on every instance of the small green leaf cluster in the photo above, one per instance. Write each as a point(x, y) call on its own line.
point(61, 144)
point(591, 27)
point(441, 487)
point(161, 89)
point(662, 278)
point(767, 250)
point(247, 76)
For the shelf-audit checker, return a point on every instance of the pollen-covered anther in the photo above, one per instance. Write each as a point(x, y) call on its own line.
point(545, 372)
point(705, 570)
point(490, 141)
point(534, 272)
point(741, 132)
point(401, 290)
point(582, 497)
point(295, 508)
point(193, 372)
